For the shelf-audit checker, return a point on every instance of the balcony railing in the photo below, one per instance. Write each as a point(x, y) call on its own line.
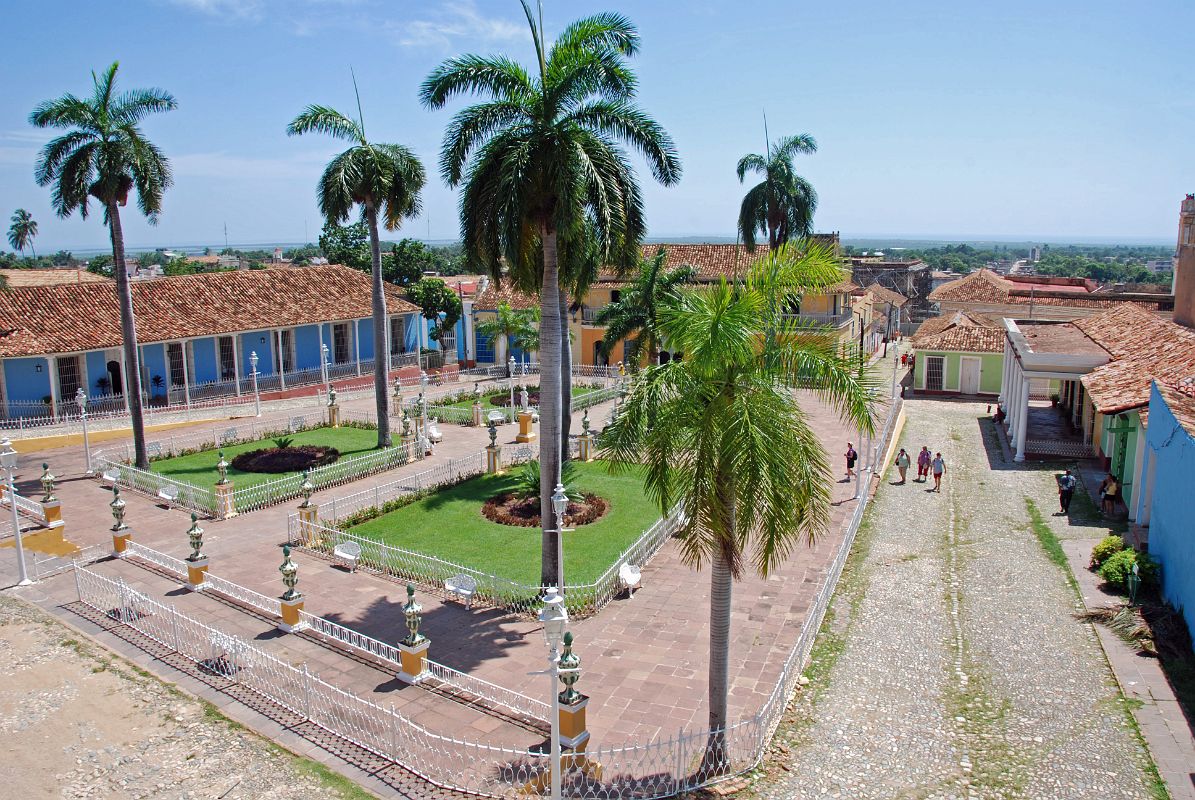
point(822, 318)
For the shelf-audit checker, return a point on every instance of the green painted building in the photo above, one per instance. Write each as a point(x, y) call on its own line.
point(959, 353)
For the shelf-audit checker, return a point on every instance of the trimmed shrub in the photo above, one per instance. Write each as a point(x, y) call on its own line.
point(1106, 548)
point(285, 459)
point(1116, 570)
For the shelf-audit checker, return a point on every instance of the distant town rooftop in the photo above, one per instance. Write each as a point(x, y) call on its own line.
point(19, 278)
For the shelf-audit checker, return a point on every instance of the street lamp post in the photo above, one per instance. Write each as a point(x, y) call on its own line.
point(8, 462)
point(256, 393)
point(323, 362)
point(81, 399)
point(559, 506)
point(554, 617)
point(895, 361)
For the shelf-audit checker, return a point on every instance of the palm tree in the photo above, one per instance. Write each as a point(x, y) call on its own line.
point(510, 325)
point(385, 178)
point(22, 231)
point(722, 435)
point(636, 312)
point(782, 205)
point(105, 155)
point(542, 167)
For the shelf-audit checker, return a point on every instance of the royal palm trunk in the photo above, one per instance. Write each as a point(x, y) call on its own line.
point(379, 329)
point(128, 332)
point(549, 407)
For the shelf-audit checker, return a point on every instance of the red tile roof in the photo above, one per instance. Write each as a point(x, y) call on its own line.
point(17, 278)
point(960, 333)
point(711, 261)
point(1143, 347)
point(985, 286)
point(63, 319)
point(1180, 402)
point(886, 295)
point(493, 296)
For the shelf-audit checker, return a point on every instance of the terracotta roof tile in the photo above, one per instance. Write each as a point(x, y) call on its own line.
point(985, 286)
point(886, 295)
point(960, 332)
point(18, 278)
point(63, 319)
point(712, 261)
point(490, 299)
point(1143, 347)
point(1180, 402)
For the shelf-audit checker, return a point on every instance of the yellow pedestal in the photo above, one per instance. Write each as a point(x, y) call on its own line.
point(308, 524)
point(411, 443)
point(585, 447)
point(334, 416)
point(478, 421)
point(120, 542)
point(225, 505)
point(396, 408)
point(196, 571)
point(525, 432)
point(572, 724)
point(569, 762)
point(493, 459)
point(412, 658)
point(290, 615)
point(53, 510)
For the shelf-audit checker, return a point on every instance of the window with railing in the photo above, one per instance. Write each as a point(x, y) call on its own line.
point(68, 377)
point(228, 362)
point(448, 343)
point(485, 349)
point(935, 367)
point(286, 337)
point(340, 342)
point(174, 356)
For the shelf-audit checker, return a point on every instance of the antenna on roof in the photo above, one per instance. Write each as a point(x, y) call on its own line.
point(225, 235)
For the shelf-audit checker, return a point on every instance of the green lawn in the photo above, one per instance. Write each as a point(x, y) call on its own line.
point(199, 469)
point(449, 525)
point(578, 391)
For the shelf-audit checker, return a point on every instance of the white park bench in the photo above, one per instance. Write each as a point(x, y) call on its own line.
point(496, 417)
point(348, 554)
point(463, 586)
point(169, 493)
point(630, 577)
point(297, 423)
point(153, 449)
point(433, 432)
point(110, 475)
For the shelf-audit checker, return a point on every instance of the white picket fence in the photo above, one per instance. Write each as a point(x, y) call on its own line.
point(185, 495)
point(26, 506)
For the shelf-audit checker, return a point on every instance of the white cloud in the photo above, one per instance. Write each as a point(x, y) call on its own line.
point(229, 9)
point(460, 19)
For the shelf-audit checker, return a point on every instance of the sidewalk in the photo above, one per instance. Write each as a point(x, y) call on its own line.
point(1162, 722)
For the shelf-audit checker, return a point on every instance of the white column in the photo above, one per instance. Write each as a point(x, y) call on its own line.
point(186, 375)
point(1077, 412)
point(1013, 395)
point(124, 380)
point(1022, 419)
point(1007, 367)
point(1139, 456)
point(357, 344)
point(236, 360)
point(387, 335)
point(320, 327)
point(52, 368)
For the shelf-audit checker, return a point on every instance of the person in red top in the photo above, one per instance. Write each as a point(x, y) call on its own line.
point(923, 461)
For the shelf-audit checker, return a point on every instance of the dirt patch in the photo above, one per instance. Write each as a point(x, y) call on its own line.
point(285, 459)
point(510, 509)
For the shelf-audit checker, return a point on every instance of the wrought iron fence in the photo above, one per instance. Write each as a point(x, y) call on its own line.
point(185, 495)
point(26, 506)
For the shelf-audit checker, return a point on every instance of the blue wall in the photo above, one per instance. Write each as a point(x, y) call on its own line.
point(22, 380)
point(97, 367)
point(153, 358)
point(365, 333)
point(460, 339)
point(252, 342)
point(413, 323)
point(1171, 535)
point(307, 347)
point(205, 363)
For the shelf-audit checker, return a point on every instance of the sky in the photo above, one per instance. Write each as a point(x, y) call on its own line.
point(1058, 120)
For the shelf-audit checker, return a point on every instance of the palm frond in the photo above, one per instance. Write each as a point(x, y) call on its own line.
point(494, 76)
point(322, 119)
point(604, 30)
point(752, 162)
point(471, 128)
point(132, 106)
point(629, 123)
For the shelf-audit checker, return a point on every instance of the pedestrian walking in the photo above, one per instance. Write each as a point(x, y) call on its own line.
point(1066, 490)
point(851, 456)
point(923, 459)
point(939, 467)
point(1109, 494)
point(902, 463)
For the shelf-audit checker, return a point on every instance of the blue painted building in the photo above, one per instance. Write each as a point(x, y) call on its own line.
point(1169, 478)
point(198, 336)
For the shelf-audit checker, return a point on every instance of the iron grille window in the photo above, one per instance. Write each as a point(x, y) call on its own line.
point(285, 352)
point(448, 342)
point(174, 354)
point(228, 363)
point(68, 378)
point(340, 342)
point(934, 367)
point(485, 349)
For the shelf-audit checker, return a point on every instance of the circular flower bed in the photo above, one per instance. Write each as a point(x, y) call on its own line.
point(503, 400)
point(511, 509)
point(285, 459)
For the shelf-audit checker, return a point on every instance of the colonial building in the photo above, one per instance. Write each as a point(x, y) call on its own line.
point(197, 336)
point(959, 353)
point(912, 279)
point(1035, 297)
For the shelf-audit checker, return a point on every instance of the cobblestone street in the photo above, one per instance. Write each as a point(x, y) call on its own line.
point(952, 665)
